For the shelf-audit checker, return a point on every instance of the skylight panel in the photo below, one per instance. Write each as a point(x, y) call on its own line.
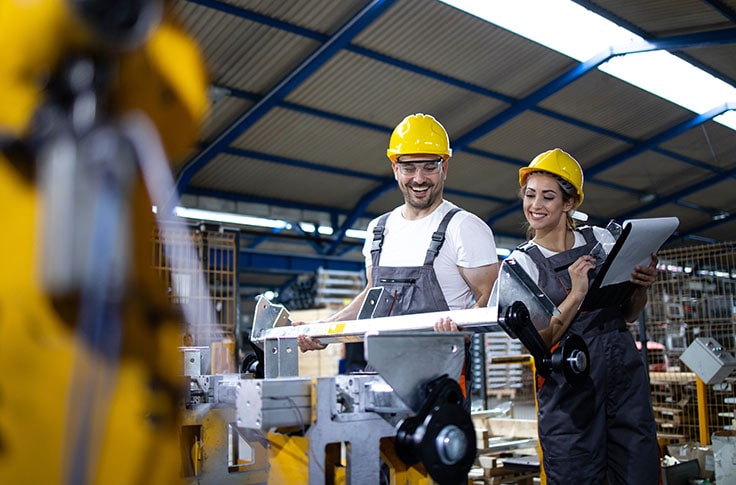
point(572, 30)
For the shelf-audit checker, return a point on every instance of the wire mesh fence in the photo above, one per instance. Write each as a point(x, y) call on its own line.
point(200, 268)
point(693, 298)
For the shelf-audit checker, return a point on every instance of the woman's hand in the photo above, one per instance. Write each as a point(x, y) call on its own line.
point(569, 307)
point(645, 275)
point(579, 274)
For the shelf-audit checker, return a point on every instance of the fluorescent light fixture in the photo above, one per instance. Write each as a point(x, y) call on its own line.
point(309, 228)
point(237, 219)
point(568, 28)
point(229, 218)
point(356, 233)
point(720, 215)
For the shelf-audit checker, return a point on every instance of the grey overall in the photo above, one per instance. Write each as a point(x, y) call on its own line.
point(604, 429)
point(410, 289)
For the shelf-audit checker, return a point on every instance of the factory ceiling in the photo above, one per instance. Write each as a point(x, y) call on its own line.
point(306, 94)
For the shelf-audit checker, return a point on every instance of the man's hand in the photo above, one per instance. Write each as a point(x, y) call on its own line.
point(445, 324)
point(305, 342)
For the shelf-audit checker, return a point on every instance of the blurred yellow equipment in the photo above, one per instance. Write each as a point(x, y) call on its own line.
point(90, 386)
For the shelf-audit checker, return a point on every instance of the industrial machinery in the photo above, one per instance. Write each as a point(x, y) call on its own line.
point(402, 422)
point(97, 97)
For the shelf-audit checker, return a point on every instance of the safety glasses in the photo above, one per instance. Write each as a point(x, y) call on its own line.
point(427, 168)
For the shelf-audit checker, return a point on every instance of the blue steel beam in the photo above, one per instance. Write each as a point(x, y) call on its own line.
point(659, 139)
point(711, 225)
point(717, 5)
point(680, 194)
point(314, 61)
point(639, 148)
point(291, 162)
point(723, 9)
point(583, 68)
point(357, 212)
point(474, 151)
point(690, 40)
point(292, 264)
point(485, 154)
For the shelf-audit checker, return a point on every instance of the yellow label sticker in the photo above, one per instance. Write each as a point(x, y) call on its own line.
point(336, 328)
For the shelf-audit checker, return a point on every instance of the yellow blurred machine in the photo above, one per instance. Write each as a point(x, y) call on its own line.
point(94, 97)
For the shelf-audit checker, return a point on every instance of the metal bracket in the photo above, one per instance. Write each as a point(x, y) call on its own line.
point(281, 356)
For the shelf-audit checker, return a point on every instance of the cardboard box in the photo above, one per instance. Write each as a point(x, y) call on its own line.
point(724, 456)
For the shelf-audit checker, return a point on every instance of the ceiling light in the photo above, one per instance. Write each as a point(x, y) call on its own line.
point(229, 218)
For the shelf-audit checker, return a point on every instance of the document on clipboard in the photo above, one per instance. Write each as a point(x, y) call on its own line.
point(634, 247)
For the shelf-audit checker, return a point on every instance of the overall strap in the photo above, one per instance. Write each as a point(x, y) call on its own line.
point(533, 251)
point(587, 232)
point(438, 238)
point(377, 242)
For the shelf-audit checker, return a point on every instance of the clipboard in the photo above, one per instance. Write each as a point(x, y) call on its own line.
point(638, 240)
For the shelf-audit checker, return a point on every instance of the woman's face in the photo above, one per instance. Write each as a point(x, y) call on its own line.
point(545, 208)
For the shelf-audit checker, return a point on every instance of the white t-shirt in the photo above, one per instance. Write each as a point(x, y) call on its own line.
point(601, 234)
point(468, 243)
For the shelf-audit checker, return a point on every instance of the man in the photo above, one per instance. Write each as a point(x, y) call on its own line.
point(427, 254)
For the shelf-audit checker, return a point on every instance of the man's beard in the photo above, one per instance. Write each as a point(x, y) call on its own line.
point(417, 203)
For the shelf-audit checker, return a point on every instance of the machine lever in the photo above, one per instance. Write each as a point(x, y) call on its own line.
point(441, 435)
point(571, 357)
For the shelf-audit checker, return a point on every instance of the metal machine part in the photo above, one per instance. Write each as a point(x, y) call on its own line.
point(361, 410)
point(271, 321)
point(119, 23)
point(513, 284)
point(571, 357)
point(709, 360)
point(428, 356)
point(344, 412)
point(214, 450)
point(417, 404)
point(441, 436)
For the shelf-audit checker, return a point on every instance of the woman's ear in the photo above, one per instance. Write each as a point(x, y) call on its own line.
point(569, 205)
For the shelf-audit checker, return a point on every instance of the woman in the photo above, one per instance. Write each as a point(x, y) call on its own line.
point(605, 428)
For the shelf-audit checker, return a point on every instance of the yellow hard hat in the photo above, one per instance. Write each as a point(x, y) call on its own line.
point(556, 162)
point(419, 133)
